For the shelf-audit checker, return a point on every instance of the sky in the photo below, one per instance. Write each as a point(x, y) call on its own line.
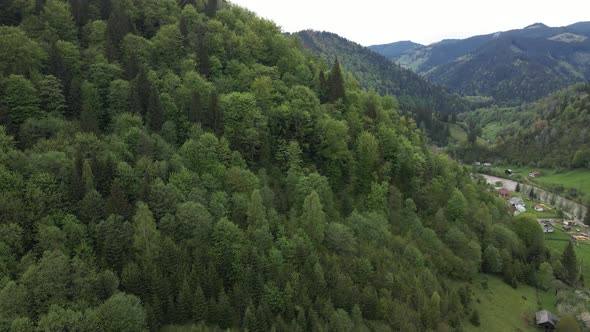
point(422, 21)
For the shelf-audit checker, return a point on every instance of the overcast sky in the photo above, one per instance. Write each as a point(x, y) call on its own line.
point(422, 21)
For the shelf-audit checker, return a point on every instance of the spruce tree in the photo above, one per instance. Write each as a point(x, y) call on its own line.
point(570, 264)
point(587, 217)
point(336, 83)
point(155, 114)
point(118, 26)
point(200, 306)
point(90, 107)
point(517, 189)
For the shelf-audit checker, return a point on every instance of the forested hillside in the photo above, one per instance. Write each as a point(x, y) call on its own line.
point(185, 163)
point(552, 132)
point(513, 67)
point(427, 103)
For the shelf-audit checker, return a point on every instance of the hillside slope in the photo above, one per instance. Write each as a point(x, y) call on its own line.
point(512, 67)
point(375, 71)
point(552, 132)
point(177, 165)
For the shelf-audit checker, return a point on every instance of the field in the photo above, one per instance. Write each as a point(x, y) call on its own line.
point(578, 179)
point(502, 308)
point(557, 241)
point(489, 131)
point(459, 135)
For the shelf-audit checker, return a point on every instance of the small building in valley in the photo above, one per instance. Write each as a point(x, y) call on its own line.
point(539, 208)
point(487, 164)
point(514, 201)
point(546, 320)
point(504, 193)
point(535, 174)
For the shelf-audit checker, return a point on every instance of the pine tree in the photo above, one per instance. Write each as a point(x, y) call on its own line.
point(215, 116)
point(74, 99)
point(212, 7)
point(323, 87)
point(517, 189)
point(202, 49)
point(200, 306)
point(184, 306)
point(118, 26)
point(118, 203)
point(87, 176)
point(336, 83)
point(225, 311)
point(195, 109)
point(90, 107)
point(155, 114)
point(587, 217)
point(570, 264)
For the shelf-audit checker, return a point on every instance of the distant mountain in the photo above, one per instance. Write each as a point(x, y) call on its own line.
point(393, 50)
point(373, 70)
point(512, 67)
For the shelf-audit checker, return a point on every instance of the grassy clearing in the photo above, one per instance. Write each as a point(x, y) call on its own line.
point(459, 135)
point(502, 308)
point(556, 243)
point(490, 130)
point(578, 179)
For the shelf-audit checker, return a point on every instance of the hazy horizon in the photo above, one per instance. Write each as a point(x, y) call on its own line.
point(423, 22)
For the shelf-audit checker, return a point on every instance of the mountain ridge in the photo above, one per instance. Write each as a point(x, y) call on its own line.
point(513, 66)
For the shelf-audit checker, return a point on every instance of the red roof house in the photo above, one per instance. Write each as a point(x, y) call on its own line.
point(504, 193)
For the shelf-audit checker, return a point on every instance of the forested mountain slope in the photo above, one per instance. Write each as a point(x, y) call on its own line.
point(552, 132)
point(374, 71)
point(167, 163)
point(393, 50)
point(512, 67)
point(427, 103)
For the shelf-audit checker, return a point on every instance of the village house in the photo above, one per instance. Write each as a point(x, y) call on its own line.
point(487, 164)
point(538, 208)
point(513, 201)
point(535, 174)
point(546, 320)
point(504, 193)
point(547, 229)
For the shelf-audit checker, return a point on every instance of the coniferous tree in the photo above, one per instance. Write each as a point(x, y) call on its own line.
point(570, 264)
point(335, 83)
point(155, 115)
point(118, 26)
point(200, 306)
point(74, 99)
point(90, 100)
point(195, 109)
point(118, 203)
point(587, 217)
point(517, 189)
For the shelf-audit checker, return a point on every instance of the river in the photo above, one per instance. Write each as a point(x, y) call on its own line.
point(571, 208)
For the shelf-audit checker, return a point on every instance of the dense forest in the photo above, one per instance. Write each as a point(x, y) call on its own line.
point(430, 105)
point(552, 132)
point(185, 163)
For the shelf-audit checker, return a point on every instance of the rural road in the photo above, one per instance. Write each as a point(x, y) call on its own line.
point(571, 208)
